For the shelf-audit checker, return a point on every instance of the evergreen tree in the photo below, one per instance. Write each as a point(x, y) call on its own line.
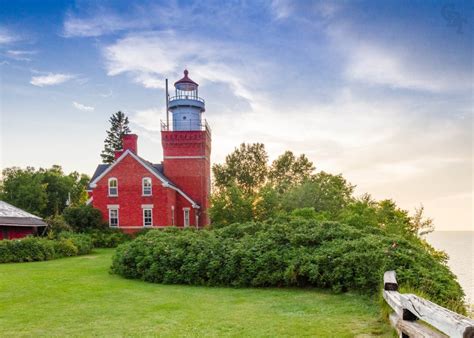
point(113, 142)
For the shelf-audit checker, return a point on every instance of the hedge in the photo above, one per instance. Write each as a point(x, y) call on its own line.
point(31, 249)
point(297, 253)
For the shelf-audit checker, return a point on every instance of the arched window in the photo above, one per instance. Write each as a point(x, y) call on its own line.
point(146, 186)
point(113, 186)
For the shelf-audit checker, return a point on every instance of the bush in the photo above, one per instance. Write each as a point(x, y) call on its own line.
point(108, 238)
point(56, 225)
point(84, 218)
point(31, 249)
point(82, 242)
point(298, 252)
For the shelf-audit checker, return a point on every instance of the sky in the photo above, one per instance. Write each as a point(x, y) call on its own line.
point(379, 91)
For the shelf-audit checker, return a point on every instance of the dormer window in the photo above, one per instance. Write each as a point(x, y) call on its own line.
point(146, 186)
point(113, 186)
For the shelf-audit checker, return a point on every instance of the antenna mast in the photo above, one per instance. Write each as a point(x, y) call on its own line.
point(167, 109)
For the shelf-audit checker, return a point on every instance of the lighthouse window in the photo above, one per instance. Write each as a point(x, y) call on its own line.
point(113, 187)
point(146, 186)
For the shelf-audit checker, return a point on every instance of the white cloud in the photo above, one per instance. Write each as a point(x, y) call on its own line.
point(50, 79)
point(100, 24)
point(149, 57)
point(281, 9)
point(21, 55)
point(6, 36)
point(82, 107)
point(395, 65)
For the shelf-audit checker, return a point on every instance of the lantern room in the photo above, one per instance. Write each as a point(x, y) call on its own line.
point(186, 106)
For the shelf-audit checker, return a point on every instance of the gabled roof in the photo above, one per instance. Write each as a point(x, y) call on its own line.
point(155, 169)
point(13, 216)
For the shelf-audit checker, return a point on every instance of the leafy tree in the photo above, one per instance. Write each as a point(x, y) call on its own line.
point(266, 203)
point(230, 205)
point(323, 192)
point(119, 127)
point(43, 192)
point(288, 171)
point(83, 218)
point(245, 167)
point(24, 189)
point(419, 224)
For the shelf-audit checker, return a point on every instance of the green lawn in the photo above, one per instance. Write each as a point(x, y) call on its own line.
point(77, 296)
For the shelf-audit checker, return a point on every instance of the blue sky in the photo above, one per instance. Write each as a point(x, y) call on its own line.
point(378, 91)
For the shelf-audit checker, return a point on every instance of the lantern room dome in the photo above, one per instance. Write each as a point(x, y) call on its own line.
point(186, 84)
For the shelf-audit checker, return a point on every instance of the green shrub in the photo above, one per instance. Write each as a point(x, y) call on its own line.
point(56, 225)
point(84, 218)
point(296, 253)
point(32, 249)
point(65, 248)
point(82, 242)
point(108, 238)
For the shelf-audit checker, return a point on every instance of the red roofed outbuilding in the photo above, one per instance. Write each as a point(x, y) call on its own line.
point(17, 223)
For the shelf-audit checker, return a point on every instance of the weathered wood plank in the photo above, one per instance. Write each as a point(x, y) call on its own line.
point(390, 281)
point(449, 322)
point(413, 329)
point(396, 302)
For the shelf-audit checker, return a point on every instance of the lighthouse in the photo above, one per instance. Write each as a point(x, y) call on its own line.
point(187, 146)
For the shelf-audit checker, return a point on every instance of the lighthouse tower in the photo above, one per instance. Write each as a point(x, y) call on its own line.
point(187, 147)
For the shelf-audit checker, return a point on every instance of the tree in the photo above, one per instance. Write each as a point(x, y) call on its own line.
point(83, 218)
point(43, 192)
point(246, 167)
point(323, 192)
point(288, 171)
point(419, 224)
point(113, 142)
point(24, 189)
point(230, 205)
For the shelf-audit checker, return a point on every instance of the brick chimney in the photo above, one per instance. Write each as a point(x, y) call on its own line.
point(129, 142)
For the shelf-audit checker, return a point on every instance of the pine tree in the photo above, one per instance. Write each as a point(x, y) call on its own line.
point(113, 142)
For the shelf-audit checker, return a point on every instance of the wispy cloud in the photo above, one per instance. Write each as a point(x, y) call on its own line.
point(82, 107)
point(396, 64)
point(50, 79)
point(148, 57)
point(101, 23)
point(281, 9)
point(7, 36)
point(21, 55)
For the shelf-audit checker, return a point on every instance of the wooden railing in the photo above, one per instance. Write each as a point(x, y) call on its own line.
point(408, 309)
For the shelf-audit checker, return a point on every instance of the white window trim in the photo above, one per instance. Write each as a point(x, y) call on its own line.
point(108, 186)
point(116, 208)
point(184, 217)
point(143, 217)
point(143, 186)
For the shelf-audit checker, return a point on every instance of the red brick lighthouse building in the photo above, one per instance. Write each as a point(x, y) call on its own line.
point(133, 193)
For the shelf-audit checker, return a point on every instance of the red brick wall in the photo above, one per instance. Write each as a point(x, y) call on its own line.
point(129, 173)
point(192, 175)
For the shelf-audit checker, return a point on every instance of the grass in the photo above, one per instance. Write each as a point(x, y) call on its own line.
point(78, 297)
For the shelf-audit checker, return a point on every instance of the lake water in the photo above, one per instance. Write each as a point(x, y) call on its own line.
point(459, 245)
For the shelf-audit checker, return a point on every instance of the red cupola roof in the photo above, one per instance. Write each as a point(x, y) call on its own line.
point(186, 80)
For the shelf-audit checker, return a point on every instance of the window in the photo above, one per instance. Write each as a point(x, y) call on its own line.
point(147, 217)
point(113, 187)
point(186, 217)
point(146, 186)
point(113, 217)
